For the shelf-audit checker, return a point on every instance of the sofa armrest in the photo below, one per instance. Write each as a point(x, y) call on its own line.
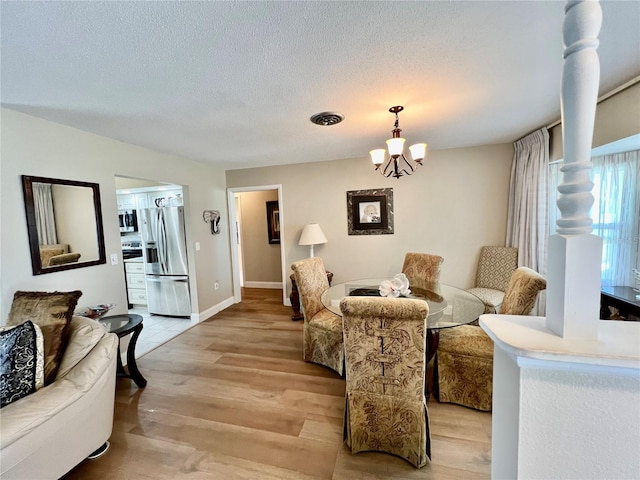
point(84, 334)
point(26, 414)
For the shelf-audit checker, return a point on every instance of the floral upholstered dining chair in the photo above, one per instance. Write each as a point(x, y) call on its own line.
point(386, 409)
point(322, 330)
point(422, 269)
point(465, 353)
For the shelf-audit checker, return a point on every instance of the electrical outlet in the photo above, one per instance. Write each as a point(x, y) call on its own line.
point(216, 285)
point(114, 259)
point(197, 246)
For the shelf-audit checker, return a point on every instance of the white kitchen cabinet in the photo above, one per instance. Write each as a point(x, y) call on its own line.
point(136, 286)
point(142, 200)
point(135, 280)
point(137, 296)
point(172, 198)
point(126, 202)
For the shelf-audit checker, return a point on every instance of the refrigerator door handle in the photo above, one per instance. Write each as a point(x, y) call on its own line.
point(162, 241)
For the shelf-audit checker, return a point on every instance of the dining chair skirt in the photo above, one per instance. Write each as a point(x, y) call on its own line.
point(465, 362)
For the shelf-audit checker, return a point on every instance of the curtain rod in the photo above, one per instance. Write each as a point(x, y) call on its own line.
point(604, 97)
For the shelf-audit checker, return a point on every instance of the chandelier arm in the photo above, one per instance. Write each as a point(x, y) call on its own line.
point(386, 172)
point(411, 167)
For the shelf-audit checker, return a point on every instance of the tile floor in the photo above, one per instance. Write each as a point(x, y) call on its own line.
point(157, 330)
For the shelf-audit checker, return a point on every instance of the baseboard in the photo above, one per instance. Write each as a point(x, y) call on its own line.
point(210, 312)
point(263, 285)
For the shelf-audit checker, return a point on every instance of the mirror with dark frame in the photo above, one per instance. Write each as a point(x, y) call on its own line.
point(64, 222)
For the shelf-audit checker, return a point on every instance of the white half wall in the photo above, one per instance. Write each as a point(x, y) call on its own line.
point(564, 408)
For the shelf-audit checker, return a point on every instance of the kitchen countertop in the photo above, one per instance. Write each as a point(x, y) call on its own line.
point(134, 260)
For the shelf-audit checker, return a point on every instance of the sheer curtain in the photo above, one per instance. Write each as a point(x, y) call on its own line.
point(45, 219)
point(615, 213)
point(527, 225)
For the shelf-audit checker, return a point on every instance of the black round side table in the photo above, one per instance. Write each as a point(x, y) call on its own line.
point(123, 325)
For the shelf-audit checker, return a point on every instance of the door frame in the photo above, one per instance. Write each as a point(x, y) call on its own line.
point(233, 233)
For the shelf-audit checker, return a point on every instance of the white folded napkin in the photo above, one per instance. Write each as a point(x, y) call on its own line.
point(398, 285)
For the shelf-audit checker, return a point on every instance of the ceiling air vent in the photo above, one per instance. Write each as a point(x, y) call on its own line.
point(327, 118)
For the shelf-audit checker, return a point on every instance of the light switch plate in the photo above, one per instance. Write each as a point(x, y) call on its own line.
point(114, 259)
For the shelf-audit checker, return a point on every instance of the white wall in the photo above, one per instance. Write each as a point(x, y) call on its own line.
point(79, 230)
point(261, 259)
point(617, 117)
point(453, 205)
point(32, 146)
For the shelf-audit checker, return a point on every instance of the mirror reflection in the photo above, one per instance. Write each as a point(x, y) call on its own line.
point(64, 222)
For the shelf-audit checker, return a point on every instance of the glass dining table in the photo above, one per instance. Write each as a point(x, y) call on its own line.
point(449, 306)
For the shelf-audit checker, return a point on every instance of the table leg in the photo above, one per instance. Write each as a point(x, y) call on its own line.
point(295, 300)
point(134, 373)
point(433, 339)
point(119, 367)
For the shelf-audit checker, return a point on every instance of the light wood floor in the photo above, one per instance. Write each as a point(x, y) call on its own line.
point(232, 399)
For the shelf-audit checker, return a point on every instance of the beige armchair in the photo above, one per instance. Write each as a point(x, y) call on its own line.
point(63, 259)
point(465, 353)
point(495, 267)
point(386, 410)
point(322, 330)
point(422, 269)
point(48, 251)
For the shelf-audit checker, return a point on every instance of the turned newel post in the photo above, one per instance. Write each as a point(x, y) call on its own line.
point(580, 80)
point(575, 256)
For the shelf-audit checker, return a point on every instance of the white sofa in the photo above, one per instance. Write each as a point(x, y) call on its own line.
point(47, 433)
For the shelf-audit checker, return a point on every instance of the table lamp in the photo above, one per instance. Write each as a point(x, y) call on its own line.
point(312, 235)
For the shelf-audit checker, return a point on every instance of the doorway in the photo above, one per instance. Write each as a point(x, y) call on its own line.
point(249, 243)
point(137, 198)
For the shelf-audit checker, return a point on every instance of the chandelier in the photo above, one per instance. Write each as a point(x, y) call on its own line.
point(397, 164)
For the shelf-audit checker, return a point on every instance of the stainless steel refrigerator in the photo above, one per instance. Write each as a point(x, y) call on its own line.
point(165, 256)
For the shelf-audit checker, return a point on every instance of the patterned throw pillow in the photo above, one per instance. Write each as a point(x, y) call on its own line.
point(21, 362)
point(52, 312)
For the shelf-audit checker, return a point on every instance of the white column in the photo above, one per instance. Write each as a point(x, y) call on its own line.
point(575, 256)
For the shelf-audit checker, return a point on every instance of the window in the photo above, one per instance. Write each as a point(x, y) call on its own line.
point(615, 212)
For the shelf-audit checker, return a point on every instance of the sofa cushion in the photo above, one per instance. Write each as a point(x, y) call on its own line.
point(52, 312)
point(21, 362)
point(84, 334)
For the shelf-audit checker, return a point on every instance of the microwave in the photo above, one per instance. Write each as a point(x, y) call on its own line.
point(128, 221)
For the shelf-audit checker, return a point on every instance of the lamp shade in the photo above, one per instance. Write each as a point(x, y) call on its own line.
point(377, 156)
point(418, 151)
point(312, 235)
point(395, 146)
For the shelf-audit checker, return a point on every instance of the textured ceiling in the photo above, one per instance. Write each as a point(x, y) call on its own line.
point(234, 83)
